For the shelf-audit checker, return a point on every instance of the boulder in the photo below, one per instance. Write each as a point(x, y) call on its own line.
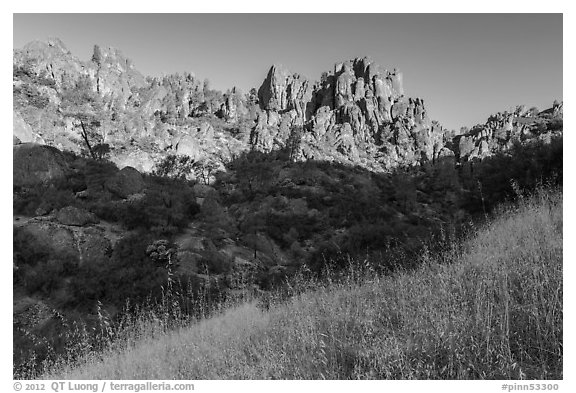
point(55, 238)
point(74, 216)
point(35, 164)
point(126, 182)
point(83, 244)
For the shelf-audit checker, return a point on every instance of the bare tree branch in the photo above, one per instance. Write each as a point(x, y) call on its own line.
point(85, 136)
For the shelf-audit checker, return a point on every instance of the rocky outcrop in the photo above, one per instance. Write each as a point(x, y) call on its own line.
point(234, 107)
point(35, 164)
point(74, 216)
point(504, 129)
point(354, 114)
point(357, 114)
point(283, 91)
point(80, 244)
point(114, 75)
point(50, 59)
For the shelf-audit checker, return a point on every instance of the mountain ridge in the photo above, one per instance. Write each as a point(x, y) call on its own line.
point(357, 113)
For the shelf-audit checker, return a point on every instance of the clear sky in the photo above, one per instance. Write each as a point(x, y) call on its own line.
point(465, 66)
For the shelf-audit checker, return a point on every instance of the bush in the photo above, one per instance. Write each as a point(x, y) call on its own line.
point(45, 198)
point(26, 250)
point(131, 274)
point(167, 206)
point(214, 263)
point(175, 166)
point(36, 268)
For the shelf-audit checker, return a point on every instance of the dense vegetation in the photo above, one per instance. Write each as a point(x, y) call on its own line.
point(489, 308)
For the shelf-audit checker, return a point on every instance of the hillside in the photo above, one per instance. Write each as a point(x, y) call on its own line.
point(123, 184)
point(488, 309)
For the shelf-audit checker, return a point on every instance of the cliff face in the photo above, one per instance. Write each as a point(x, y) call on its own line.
point(356, 114)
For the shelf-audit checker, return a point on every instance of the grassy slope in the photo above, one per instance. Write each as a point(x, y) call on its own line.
point(495, 312)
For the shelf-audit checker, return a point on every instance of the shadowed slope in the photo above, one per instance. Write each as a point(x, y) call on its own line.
point(490, 310)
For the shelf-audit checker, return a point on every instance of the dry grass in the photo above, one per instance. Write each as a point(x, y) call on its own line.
point(494, 311)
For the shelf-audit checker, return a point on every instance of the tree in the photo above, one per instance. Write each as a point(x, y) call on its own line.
point(205, 169)
point(84, 134)
point(175, 166)
point(294, 142)
point(254, 171)
point(82, 104)
point(101, 150)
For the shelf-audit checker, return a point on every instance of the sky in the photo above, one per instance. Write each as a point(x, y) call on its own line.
point(464, 66)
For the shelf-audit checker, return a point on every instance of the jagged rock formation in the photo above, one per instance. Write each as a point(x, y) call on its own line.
point(356, 114)
point(282, 91)
point(502, 130)
point(115, 75)
point(359, 113)
point(51, 60)
point(140, 119)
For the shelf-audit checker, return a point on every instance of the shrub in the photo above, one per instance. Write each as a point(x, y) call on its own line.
point(46, 198)
point(131, 274)
point(26, 250)
point(555, 125)
point(175, 166)
point(215, 263)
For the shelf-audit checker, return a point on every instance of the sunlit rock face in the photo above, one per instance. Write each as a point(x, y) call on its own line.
point(357, 113)
point(505, 129)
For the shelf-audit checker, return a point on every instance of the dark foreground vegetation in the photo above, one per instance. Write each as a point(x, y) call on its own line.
point(487, 308)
